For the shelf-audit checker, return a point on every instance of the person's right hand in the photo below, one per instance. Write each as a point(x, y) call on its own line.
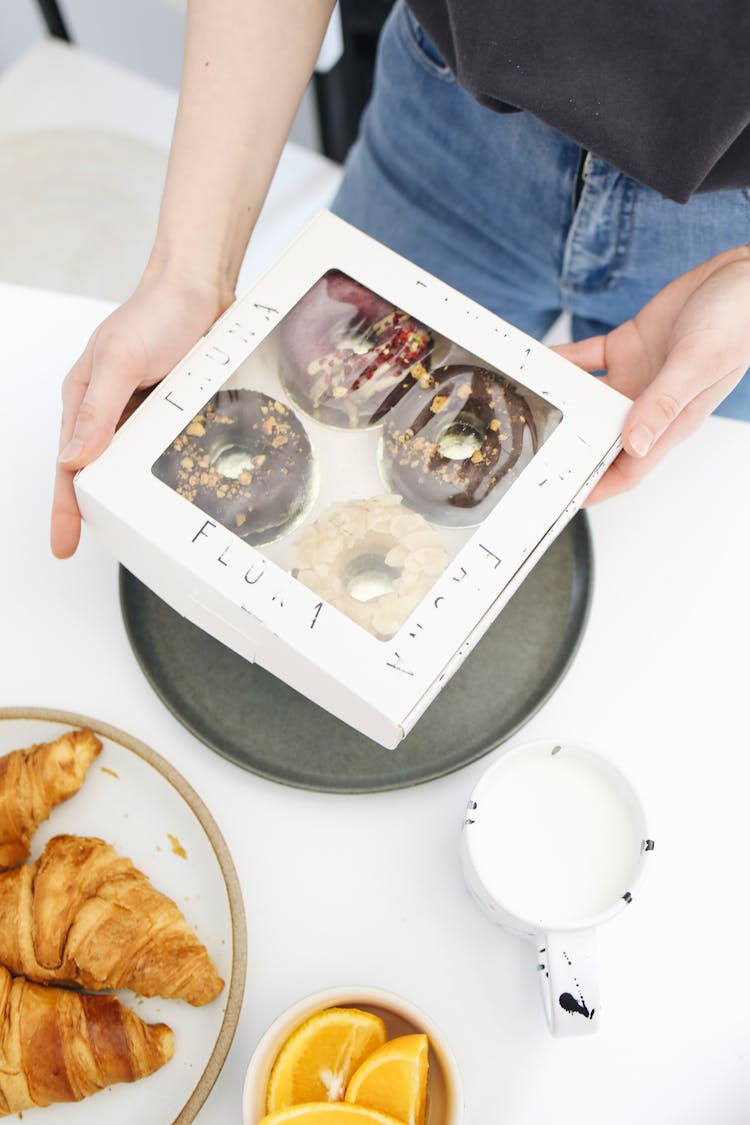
point(135, 347)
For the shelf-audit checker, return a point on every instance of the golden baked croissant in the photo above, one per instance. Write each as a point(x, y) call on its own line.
point(33, 781)
point(82, 914)
point(61, 1046)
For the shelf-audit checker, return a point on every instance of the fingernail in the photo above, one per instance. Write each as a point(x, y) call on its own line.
point(641, 439)
point(71, 451)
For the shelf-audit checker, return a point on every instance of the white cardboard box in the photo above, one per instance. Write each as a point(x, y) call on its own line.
point(247, 596)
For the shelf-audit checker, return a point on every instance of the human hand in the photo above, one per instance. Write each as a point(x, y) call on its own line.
point(130, 351)
point(678, 358)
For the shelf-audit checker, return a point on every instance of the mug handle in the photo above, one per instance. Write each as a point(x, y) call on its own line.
point(567, 974)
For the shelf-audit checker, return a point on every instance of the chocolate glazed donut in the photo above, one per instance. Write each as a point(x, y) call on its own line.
point(347, 356)
point(456, 442)
point(246, 461)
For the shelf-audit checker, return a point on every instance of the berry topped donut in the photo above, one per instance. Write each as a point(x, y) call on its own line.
point(456, 442)
point(347, 355)
point(246, 461)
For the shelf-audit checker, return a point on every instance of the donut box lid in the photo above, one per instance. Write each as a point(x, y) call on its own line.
point(248, 596)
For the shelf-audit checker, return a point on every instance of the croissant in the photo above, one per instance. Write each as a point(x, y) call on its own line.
point(82, 914)
point(33, 781)
point(61, 1046)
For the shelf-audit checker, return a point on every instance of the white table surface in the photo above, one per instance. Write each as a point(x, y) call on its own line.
point(367, 889)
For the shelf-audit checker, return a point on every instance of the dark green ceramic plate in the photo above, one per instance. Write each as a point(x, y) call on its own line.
point(260, 723)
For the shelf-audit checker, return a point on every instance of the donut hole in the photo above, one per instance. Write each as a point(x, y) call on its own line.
point(460, 440)
point(233, 460)
point(369, 576)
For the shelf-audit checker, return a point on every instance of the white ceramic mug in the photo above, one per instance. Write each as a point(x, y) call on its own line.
point(554, 844)
point(401, 1017)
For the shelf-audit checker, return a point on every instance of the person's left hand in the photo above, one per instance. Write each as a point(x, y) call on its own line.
point(678, 358)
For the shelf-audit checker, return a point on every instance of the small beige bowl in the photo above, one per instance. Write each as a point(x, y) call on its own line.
point(444, 1095)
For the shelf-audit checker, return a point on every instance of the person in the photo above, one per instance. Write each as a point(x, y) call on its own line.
point(538, 157)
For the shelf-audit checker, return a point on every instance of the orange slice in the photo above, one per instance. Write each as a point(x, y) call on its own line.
point(328, 1113)
point(393, 1079)
point(318, 1059)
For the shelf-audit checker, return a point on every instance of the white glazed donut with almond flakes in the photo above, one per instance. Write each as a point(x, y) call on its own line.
point(372, 559)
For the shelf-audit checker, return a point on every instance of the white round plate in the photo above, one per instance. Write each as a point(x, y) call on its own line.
point(78, 210)
point(140, 804)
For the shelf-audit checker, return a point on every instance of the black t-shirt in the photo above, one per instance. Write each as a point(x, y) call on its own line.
point(660, 88)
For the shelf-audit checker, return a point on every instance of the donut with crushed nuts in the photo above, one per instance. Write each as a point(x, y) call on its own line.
point(347, 356)
point(372, 559)
point(246, 461)
point(456, 443)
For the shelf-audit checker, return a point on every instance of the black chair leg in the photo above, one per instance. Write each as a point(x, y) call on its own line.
point(54, 20)
point(343, 91)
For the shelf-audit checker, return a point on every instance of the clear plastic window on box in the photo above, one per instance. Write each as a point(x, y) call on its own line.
point(358, 448)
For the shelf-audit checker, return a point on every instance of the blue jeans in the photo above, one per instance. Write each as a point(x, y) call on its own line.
point(489, 203)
